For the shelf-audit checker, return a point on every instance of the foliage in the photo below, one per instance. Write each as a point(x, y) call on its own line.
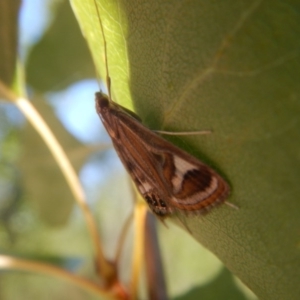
point(232, 67)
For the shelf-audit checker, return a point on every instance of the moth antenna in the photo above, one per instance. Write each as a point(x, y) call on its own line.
point(105, 52)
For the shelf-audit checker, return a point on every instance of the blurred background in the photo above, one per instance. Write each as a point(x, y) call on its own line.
point(39, 218)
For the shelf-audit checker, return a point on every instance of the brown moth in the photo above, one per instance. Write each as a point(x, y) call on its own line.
point(168, 178)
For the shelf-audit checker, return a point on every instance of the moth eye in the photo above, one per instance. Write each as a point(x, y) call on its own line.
point(102, 100)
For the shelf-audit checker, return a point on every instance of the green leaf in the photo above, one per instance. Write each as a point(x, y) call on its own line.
point(233, 67)
point(61, 55)
point(115, 33)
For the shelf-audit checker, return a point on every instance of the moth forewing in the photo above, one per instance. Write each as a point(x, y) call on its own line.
point(168, 178)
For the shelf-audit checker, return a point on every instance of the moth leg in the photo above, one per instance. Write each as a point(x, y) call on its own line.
point(201, 132)
point(231, 205)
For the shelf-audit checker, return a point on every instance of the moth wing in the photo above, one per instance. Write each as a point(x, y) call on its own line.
point(144, 178)
point(167, 173)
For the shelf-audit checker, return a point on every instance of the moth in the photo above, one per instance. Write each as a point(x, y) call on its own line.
point(168, 178)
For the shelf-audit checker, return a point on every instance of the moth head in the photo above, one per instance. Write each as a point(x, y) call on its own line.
point(104, 109)
point(102, 102)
